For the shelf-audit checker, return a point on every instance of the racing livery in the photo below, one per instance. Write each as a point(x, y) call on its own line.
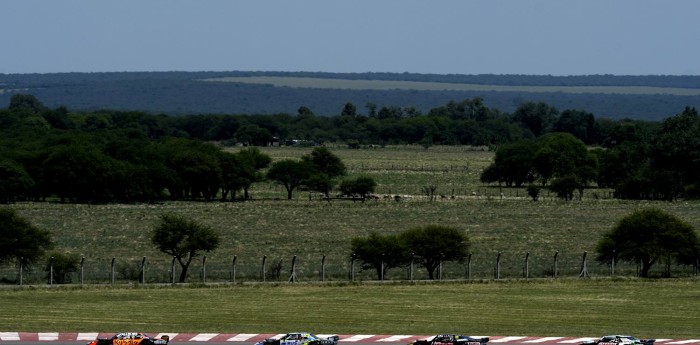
point(301, 338)
point(451, 339)
point(619, 340)
point(130, 339)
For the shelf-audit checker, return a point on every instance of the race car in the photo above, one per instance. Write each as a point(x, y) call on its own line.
point(451, 339)
point(619, 340)
point(301, 338)
point(131, 339)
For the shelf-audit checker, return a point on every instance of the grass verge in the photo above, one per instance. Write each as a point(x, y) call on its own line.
point(649, 308)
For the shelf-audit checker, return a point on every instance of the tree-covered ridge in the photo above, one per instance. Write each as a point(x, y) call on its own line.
point(187, 93)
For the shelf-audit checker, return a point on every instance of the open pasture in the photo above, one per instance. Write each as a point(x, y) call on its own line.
point(278, 229)
point(360, 84)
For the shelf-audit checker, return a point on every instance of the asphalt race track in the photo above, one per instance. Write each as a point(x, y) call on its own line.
point(18, 338)
point(15, 338)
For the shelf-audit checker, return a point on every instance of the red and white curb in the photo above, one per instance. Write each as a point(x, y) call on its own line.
point(347, 338)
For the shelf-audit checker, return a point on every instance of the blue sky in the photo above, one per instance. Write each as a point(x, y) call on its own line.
point(557, 37)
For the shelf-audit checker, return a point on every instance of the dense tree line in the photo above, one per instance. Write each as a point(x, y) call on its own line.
point(108, 156)
point(637, 160)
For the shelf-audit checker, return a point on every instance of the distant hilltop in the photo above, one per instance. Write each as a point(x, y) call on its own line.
point(240, 92)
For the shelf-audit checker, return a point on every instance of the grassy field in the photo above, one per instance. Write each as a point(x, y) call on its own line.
point(279, 229)
point(329, 83)
point(276, 228)
point(659, 309)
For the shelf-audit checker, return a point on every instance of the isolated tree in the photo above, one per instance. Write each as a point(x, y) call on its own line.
point(647, 236)
point(379, 252)
point(533, 191)
point(184, 239)
point(322, 160)
point(63, 264)
point(433, 244)
point(361, 186)
point(429, 191)
point(290, 173)
point(20, 241)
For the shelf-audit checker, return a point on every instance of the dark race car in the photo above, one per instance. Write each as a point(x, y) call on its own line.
point(131, 339)
point(619, 340)
point(451, 339)
point(301, 338)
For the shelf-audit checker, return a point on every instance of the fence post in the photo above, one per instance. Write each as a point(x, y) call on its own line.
point(204, 269)
point(112, 271)
point(556, 264)
point(410, 268)
point(469, 266)
point(51, 272)
point(440, 267)
point(584, 267)
point(172, 271)
point(82, 271)
point(21, 271)
point(498, 266)
point(381, 271)
point(612, 264)
point(233, 270)
point(323, 268)
point(262, 272)
point(293, 272)
point(143, 270)
point(352, 267)
point(527, 266)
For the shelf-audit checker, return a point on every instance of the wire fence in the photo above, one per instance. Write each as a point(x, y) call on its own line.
point(238, 270)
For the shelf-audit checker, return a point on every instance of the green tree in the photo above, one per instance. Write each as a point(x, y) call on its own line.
point(324, 168)
point(183, 239)
point(537, 117)
point(676, 154)
point(252, 161)
point(379, 252)
point(63, 264)
point(361, 186)
point(433, 244)
point(349, 110)
point(513, 164)
point(322, 160)
point(533, 191)
point(580, 124)
point(20, 241)
point(14, 181)
point(27, 103)
point(252, 134)
point(79, 173)
point(565, 186)
point(289, 173)
point(648, 236)
point(197, 168)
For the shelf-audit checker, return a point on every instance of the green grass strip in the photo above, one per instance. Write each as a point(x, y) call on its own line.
point(568, 307)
